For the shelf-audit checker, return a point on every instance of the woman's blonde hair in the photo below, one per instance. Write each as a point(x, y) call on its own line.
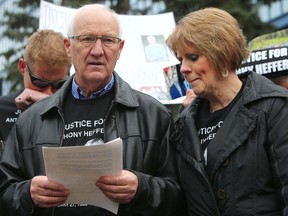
point(213, 32)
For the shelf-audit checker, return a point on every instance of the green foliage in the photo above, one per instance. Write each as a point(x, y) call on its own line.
point(243, 10)
point(14, 75)
point(21, 24)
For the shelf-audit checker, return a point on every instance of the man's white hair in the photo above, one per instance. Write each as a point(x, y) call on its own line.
point(70, 27)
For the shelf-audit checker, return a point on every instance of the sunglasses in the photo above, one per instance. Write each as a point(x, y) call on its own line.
point(42, 83)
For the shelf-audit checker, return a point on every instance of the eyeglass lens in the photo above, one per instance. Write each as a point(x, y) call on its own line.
point(88, 40)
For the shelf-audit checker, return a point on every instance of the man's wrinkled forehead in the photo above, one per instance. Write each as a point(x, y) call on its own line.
point(96, 16)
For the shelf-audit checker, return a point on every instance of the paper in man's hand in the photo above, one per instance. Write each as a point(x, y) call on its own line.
point(79, 167)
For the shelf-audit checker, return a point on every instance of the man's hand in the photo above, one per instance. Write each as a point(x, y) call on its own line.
point(47, 194)
point(28, 97)
point(121, 188)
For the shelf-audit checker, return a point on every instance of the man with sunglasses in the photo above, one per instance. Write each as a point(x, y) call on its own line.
point(45, 67)
point(94, 103)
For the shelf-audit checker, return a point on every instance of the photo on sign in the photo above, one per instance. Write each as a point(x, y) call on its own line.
point(155, 48)
point(175, 82)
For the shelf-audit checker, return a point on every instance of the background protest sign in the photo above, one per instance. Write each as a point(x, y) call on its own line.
point(134, 66)
point(269, 54)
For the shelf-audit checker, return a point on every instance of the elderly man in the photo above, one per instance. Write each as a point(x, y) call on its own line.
point(148, 184)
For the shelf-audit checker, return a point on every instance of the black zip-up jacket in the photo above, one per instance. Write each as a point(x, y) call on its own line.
point(138, 119)
point(9, 114)
point(247, 159)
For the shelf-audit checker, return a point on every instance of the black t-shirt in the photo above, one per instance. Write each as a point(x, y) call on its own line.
point(208, 123)
point(9, 114)
point(84, 120)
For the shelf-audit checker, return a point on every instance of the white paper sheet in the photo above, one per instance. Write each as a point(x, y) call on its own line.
point(79, 167)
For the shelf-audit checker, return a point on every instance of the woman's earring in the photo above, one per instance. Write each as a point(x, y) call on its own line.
point(224, 73)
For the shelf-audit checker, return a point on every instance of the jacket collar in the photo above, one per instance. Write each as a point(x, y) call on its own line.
point(124, 94)
point(257, 86)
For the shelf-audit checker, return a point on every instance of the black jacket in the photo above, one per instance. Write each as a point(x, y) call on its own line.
point(247, 159)
point(9, 114)
point(140, 120)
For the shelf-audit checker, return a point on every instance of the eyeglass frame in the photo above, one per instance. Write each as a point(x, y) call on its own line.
point(46, 83)
point(96, 37)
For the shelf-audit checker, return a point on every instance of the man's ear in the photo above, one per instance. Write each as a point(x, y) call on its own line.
point(21, 66)
point(121, 48)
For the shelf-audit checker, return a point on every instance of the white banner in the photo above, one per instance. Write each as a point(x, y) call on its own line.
point(144, 55)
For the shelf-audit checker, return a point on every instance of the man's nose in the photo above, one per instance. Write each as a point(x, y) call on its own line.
point(97, 48)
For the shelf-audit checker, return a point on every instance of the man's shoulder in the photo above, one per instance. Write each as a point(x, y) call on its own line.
point(9, 114)
point(9, 98)
point(141, 96)
point(148, 102)
point(7, 102)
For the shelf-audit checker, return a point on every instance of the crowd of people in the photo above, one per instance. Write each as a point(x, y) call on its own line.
point(225, 153)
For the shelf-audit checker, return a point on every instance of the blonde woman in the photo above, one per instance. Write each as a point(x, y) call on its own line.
point(232, 140)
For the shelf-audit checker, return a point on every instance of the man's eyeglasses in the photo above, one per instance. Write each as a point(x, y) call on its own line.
point(88, 40)
point(42, 83)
